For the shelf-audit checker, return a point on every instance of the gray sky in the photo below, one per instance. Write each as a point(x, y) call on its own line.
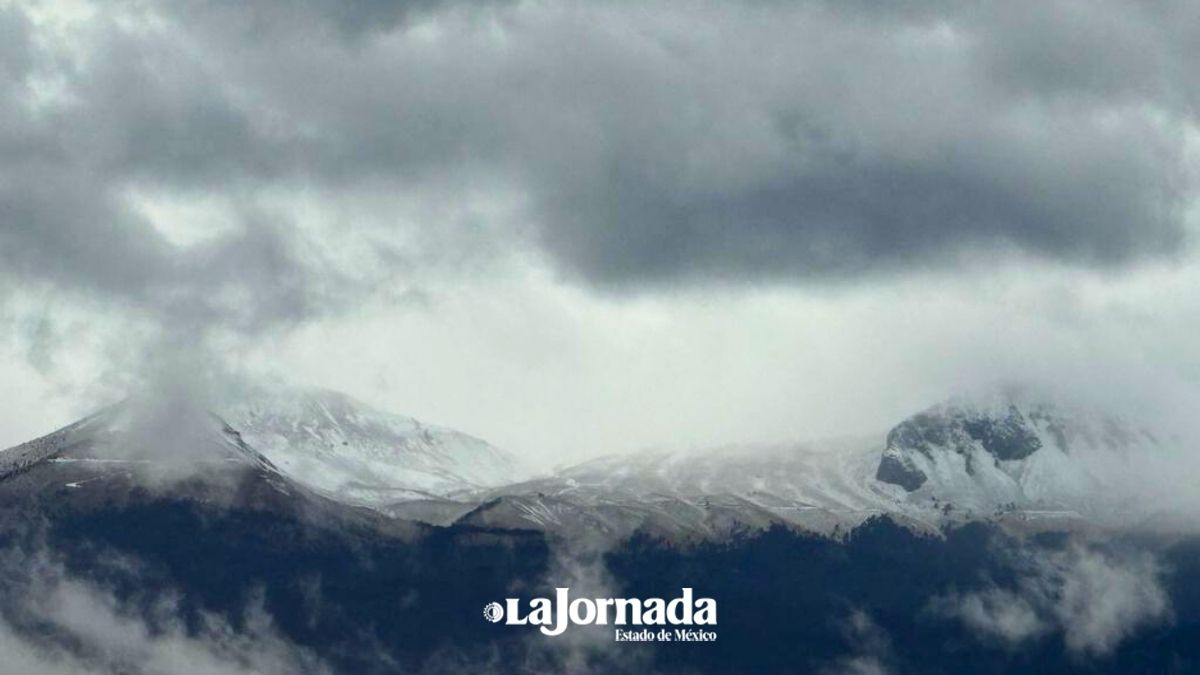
point(573, 228)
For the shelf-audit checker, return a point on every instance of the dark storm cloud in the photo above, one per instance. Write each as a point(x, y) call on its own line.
point(646, 143)
point(891, 141)
point(135, 112)
point(349, 19)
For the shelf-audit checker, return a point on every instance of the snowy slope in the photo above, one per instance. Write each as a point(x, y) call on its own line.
point(1006, 455)
point(322, 440)
point(358, 454)
point(141, 450)
point(826, 488)
point(1009, 450)
point(1002, 456)
point(138, 432)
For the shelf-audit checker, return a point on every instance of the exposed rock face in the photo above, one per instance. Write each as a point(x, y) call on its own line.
point(1008, 438)
point(1005, 435)
point(898, 471)
point(1007, 451)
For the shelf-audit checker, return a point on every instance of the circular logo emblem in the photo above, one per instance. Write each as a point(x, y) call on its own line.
point(493, 612)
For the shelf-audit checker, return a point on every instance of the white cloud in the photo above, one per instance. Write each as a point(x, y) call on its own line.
point(1093, 599)
point(68, 625)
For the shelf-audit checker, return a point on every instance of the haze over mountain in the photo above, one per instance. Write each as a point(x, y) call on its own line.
point(339, 445)
point(1007, 455)
point(327, 442)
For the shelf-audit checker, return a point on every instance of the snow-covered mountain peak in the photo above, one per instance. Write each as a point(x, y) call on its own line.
point(1013, 448)
point(1005, 454)
point(324, 440)
point(351, 450)
point(140, 445)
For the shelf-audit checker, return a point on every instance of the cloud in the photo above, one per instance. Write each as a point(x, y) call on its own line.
point(1093, 599)
point(350, 20)
point(98, 113)
point(212, 177)
point(873, 648)
point(637, 145)
point(54, 623)
point(580, 565)
point(868, 142)
point(998, 613)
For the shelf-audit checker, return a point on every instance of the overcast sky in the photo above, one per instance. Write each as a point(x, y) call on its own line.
point(574, 228)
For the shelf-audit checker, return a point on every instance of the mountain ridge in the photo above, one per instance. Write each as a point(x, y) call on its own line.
point(1017, 458)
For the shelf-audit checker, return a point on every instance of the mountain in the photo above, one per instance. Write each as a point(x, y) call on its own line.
point(1011, 456)
point(1010, 450)
point(1029, 461)
point(356, 453)
point(150, 537)
point(143, 451)
point(158, 536)
point(709, 494)
point(315, 441)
